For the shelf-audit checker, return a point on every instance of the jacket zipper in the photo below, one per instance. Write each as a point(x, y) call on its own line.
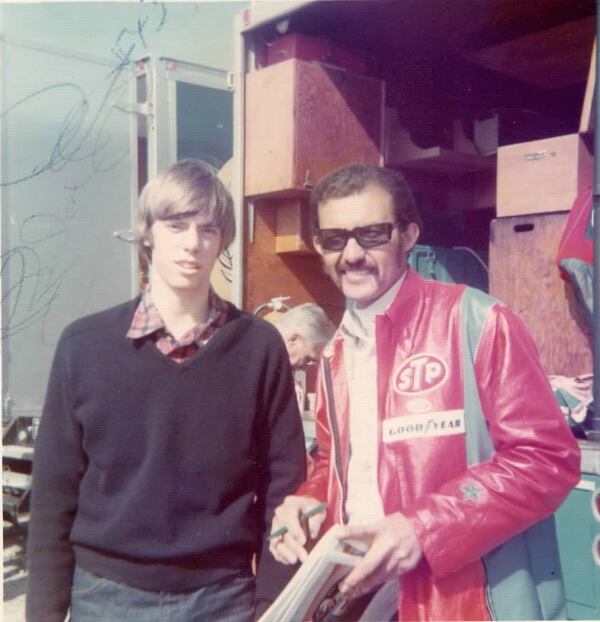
point(336, 436)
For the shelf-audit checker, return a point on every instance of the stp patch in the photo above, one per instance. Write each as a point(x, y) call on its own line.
point(420, 373)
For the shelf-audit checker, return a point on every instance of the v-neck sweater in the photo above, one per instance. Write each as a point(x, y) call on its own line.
point(157, 474)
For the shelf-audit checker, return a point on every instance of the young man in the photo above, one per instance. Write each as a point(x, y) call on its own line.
point(440, 442)
point(169, 433)
point(305, 330)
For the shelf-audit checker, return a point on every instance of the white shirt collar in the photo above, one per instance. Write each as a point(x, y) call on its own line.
point(360, 323)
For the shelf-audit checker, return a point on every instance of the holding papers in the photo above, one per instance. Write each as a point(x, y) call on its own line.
point(312, 594)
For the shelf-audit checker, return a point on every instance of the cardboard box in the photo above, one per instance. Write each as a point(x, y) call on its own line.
point(542, 175)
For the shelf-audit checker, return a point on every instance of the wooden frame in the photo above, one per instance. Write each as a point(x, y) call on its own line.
point(586, 123)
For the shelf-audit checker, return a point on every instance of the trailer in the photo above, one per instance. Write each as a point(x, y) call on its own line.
point(485, 107)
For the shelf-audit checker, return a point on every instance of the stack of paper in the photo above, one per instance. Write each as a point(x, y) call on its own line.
point(312, 594)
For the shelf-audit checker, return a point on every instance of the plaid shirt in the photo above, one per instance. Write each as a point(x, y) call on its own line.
point(148, 323)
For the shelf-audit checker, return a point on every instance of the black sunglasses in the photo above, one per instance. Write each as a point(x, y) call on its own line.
point(367, 236)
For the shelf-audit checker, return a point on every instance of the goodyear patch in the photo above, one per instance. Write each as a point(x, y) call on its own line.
point(426, 425)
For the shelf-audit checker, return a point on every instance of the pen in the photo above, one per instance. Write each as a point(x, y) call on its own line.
point(305, 516)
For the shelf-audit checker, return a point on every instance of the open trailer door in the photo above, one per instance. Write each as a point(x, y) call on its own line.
point(185, 110)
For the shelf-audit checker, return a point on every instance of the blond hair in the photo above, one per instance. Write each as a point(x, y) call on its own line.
point(187, 185)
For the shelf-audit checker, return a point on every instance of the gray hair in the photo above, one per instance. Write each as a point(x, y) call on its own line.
point(185, 186)
point(309, 321)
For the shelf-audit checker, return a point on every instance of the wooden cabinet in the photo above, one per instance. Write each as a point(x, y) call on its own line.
point(305, 119)
point(292, 226)
point(524, 275)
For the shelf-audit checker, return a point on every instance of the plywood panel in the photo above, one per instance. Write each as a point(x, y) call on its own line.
point(339, 119)
point(268, 274)
point(523, 274)
point(269, 130)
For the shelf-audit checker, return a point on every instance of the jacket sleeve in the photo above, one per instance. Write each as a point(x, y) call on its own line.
point(57, 469)
point(317, 485)
point(272, 576)
point(282, 464)
point(534, 465)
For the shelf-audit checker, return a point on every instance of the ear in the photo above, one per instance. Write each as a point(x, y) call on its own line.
point(292, 337)
point(409, 236)
point(317, 246)
point(222, 247)
point(147, 238)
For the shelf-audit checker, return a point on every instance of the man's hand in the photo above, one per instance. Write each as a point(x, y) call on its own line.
point(393, 550)
point(289, 548)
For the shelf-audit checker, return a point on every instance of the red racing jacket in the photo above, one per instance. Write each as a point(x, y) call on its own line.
point(473, 450)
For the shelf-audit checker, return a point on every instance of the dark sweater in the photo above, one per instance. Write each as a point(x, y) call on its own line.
point(157, 474)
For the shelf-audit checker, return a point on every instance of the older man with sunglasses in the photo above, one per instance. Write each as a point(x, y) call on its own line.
point(440, 442)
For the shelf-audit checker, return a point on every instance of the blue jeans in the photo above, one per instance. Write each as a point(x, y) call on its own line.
point(94, 599)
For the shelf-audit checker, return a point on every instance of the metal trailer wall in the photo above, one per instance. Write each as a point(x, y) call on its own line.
point(67, 183)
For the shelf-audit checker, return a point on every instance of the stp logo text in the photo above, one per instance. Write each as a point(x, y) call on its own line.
point(420, 373)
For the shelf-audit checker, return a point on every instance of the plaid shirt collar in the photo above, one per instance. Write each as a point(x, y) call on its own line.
point(148, 322)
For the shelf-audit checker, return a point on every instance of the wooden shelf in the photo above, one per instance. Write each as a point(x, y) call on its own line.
point(18, 452)
point(403, 153)
point(16, 480)
point(439, 160)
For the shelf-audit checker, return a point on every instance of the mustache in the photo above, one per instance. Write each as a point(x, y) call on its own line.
point(347, 266)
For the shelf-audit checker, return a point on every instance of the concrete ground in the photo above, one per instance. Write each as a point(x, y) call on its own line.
point(15, 574)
